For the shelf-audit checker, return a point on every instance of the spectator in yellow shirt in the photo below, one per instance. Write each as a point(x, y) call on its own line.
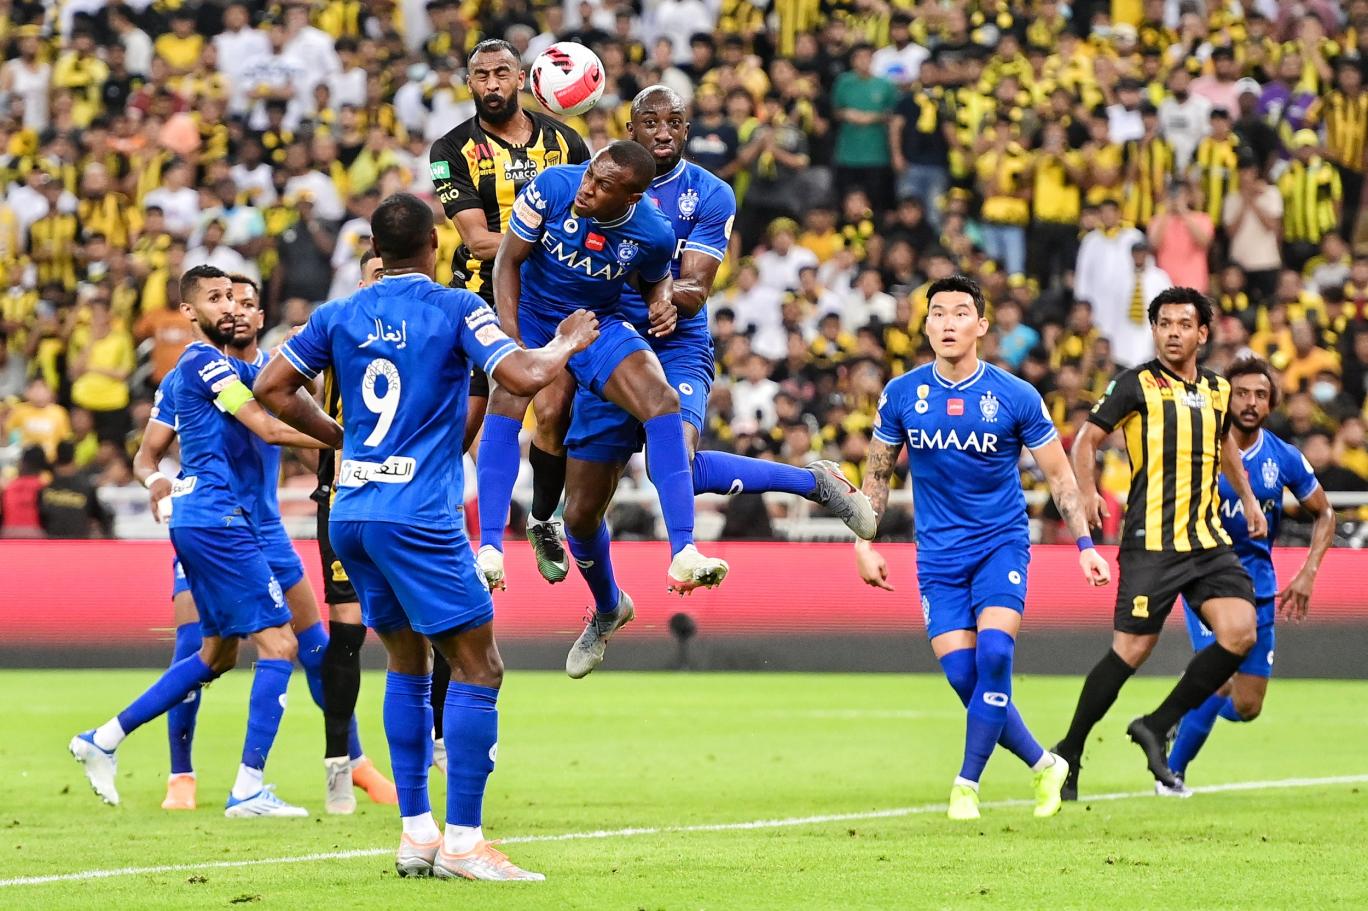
point(1308, 359)
point(181, 47)
point(38, 420)
point(100, 368)
point(84, 74)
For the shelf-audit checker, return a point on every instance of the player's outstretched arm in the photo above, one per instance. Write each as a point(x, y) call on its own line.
point(1232, 466)
point(301, 421)
point(878, 471)
point(513, 251)
point(525, 371)
point(1295, 600)
point(1064, 490)
point(156, 441)
point(1084, 454)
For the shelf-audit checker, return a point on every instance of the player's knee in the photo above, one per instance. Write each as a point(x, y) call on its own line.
point(1237, 638)
point(993, 656)
point(1249, 707)
point(659, 399)
point(489, 673)
point(580, 520)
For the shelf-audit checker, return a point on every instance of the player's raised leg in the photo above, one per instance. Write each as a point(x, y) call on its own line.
point(591, 485)
point(638, 386)
point(95, 749)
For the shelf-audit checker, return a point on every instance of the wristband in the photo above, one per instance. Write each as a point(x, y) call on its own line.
point(1085, 543)
point(153, 478)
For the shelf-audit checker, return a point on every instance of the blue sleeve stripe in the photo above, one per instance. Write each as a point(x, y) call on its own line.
point(516, 227)
point(1308, 489)
point(296, 363)
point(704, 248)
point(497, 357)
point(885, 438)
point(1048, 438)
point(658, 278)
point(161, 422)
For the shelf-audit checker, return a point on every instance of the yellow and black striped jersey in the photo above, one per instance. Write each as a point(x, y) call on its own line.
point(1173, 432)
point(473, 169)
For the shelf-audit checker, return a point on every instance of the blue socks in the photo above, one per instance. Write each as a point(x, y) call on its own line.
point(313, 648)
point(408, 719)
point(170, 689)
point(471, 729)
point(495, 474)
point(667, 462)
point(988, 705)
point(596, 566)
point(722, 472)
point(265, 708)
point(1196, 727)
point(961, 670)
point(180, 718)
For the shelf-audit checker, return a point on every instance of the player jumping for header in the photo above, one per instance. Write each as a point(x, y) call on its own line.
point(965, 423)
point(577, 235)
point(603, 437)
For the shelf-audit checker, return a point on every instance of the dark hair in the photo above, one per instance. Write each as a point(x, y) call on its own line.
point(634, 158)
point(652, 92)
point(1253, 365)
point(66, 453)
point(962, 284)
point(402, 224)
point(33, 461)
point(1180, 295)
point(366, 257)
point(495, 46)
point(189, 282)
point(238, 278)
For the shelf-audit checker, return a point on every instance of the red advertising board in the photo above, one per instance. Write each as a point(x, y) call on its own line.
point(58, 592)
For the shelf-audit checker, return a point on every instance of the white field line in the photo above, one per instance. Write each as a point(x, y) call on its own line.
point(894, 813)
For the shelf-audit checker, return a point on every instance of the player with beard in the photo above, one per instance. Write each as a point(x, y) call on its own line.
point(478, 169)
point(314, 643)
point(602, 437)
point(217, 530)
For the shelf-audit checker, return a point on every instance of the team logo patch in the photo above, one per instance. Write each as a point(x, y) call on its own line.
point(570, 225)
point(276, 594)
point(489, 335)
point(526, 213)
point(922, 406)
point(686, 388)
point(441, 170)
point(926, 609)
point(1014, 577)
point(627, 251)
point(988, 406)
point(553, 157)
point(1270, 473)
point(923, 391)
point(688, 203)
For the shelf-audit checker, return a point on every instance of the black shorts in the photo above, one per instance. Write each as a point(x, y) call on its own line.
point(337, 588)
point(479, 384)
point(1152, 580)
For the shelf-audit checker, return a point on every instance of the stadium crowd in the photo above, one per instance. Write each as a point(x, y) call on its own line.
point(1075, 158)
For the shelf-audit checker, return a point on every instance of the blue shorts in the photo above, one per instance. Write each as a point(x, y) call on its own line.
point(413, 578)
point(602, 432)
point(236, 594)
point(280, 556)
point(594, 365)
point(955, 588)
point(1259, 661)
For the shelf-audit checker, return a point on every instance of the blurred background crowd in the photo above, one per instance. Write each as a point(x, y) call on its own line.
point(1075, 158)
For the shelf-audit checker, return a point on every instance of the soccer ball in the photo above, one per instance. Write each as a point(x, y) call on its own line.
point(567, 78)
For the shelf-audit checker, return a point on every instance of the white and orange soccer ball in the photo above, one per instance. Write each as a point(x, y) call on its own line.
point(567, 78)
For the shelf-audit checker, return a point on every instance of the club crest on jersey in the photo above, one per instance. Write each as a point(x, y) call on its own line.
point(553, 157)
point(922, 405)
point(1270, 473)
point(627, 251)
point(688, 203)
point(988, 406)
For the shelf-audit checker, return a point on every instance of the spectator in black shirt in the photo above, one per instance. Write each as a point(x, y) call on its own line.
point(68, 506)
point(713, 142)
point(919, 142)
point(1318, 448)
point(908, 223)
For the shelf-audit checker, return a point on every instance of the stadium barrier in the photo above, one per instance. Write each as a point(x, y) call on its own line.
point(797, 606)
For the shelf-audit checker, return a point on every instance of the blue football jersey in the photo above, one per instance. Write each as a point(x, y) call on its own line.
point(701, 209)
point(164, 412)
point(580, 261)
point(221, 468)
point(1272, 465)
point(964, 442)
point(401, 352)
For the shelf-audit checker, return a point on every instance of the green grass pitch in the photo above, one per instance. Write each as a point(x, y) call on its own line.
point(661, 753)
